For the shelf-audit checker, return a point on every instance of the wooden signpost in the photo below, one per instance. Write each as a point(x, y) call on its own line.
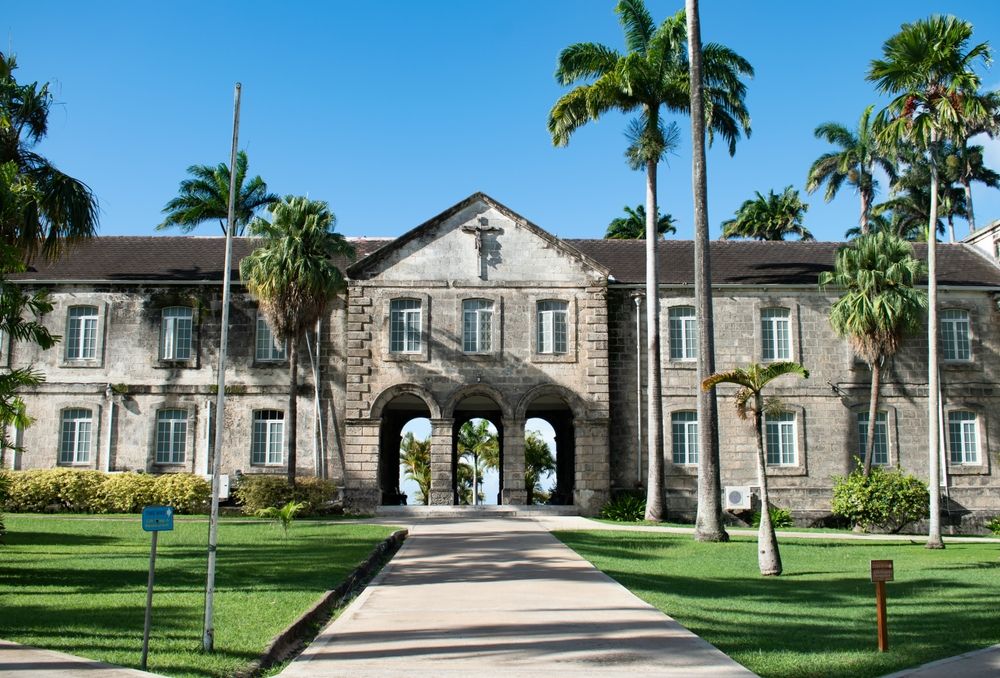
point(881, 573)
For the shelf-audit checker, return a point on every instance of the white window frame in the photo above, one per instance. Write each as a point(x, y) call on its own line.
point(266, 349)
point(176, 433)
point(775, 321)
point(82, 322)
point(684, 437)
point(172, 325)
point(552, 316)
point(271, 448)
point(956, 335)
point(477, 325)
point(967, 452)
point(77, 421)
point(786, 425)
point(682, 324)
point(881, 432)
point(406, 325)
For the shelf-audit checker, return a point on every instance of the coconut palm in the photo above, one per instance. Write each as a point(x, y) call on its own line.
point(750, 402)
point(633, 225)
point(415, 458)
point(652, 74)
point(293, 277)
point(53, 207)
point(927, 68)
point(205, 196)
point(538, 462)
point(479, 449)
point(770, 217)
point(859, 154)
point(878, 308)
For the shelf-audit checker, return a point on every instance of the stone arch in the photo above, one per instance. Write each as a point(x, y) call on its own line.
point(463, 392)
point(393, 392)
point(572, 400)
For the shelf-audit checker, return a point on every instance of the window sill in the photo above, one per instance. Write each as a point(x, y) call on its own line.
point(553, 357)
point(958, 365)
point(420, 357)
point(968, 469)
point(780, 471)
point(167, 465)
point(78, 363)
point(481, 357)
point(682, 470)
point(163, 364)
point(74, 464)
point(282, 465)
point(685, 364)
point(270, 363)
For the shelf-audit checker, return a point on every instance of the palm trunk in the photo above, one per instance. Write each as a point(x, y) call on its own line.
point(768, 556)
point(969, 214)
point(951, 226)
point(876, 367)
point(934, 532)
point(293, 410)
point(655, 500)
point(866, 205)
point(708, 523)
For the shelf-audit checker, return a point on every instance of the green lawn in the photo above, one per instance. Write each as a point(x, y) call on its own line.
point(79, 586)
point(818, 618)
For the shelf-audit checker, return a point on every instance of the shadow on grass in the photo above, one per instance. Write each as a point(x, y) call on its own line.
point(18, 538)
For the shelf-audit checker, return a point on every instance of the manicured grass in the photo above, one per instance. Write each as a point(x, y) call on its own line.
point(818, 618)
point(79, 586)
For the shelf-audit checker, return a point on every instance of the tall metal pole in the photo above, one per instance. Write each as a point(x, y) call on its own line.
point(208, 637)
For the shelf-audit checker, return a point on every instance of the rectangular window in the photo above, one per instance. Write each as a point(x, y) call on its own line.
point(477, 325)
point(963, 438)
point(683, 333)
point(779, 430)
point(268, 349)
point(267, 446)
point(552, 327)
point(955, 344)
point(171, 436)
point(776, 334)
point(404, 326)
point(175, 333)
point(81, 333)
point(880, 455)
point(684, 430)
point(74, 445)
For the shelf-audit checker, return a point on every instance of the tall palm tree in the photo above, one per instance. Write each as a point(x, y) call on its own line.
point(538, 462)
point(415, 458)
point(859, 154)
point(984, 118)
point(480, 447)
point(53, 207)
point(879, 306)
point(653, 73)
point(927, 67)
point(205, 196)
point(633, 225)
point(293, 277)
point(750, 402)
point(708, 521)
point(770, 217)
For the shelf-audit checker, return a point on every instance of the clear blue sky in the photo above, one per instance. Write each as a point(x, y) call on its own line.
point(394, 110)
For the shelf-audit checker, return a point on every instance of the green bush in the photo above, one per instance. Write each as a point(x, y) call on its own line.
point(60, 489)
point(887, 500)
point(126, 493)
point(256, 493)
point(5, 483)
point(625, 508)
point(993, 525)
point(96, 492)
point(779, 518)
point(186, 492)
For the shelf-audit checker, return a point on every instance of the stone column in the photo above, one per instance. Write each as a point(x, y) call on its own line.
point(593, 467)
point(514, 492)
point(361, 487)
point(441, 451)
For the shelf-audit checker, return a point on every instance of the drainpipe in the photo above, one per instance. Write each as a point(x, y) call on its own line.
point(637, 298)
point(206, 440)
point(319, 445)
point(109, 395)
point(942, 448)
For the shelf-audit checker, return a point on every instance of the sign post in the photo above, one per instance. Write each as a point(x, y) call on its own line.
point(881, 573)
point(155, 519)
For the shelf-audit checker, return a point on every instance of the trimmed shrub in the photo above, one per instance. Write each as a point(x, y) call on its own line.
point(256, 493)
point(779, 518)
point(96, 492)
point(185, 492)
point(126, 493)
point(993, 525)
point(60, 489)
point(625, 508)
point(887, 500)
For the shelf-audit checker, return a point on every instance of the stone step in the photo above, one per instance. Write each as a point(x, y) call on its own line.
point(467, 512)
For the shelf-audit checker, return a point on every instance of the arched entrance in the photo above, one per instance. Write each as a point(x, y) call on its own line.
point(551, 406)
point(475, 407)
point(402, 410)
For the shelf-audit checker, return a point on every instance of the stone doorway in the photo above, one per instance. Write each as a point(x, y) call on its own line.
point(396, 414)
point(554, 411)
point(476, 407)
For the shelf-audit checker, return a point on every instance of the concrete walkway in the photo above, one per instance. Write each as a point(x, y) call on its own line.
point(501, 597)
point(31, 662)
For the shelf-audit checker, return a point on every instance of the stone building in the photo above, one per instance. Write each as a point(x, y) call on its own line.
point(480, 313)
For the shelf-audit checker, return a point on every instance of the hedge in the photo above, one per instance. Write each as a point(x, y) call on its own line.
point(71, 490)
point(258, 492)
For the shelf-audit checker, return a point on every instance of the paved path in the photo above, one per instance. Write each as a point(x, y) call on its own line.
point(501, 597)
point(30, 662)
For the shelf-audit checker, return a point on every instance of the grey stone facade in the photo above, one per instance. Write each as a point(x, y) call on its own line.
point(584, 382)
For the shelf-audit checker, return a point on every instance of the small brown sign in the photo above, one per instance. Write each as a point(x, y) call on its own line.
point(881, 570)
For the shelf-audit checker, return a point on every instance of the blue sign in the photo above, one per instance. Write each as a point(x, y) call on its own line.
point(157, 518)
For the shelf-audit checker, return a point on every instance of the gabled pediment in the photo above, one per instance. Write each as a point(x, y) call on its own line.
point(478, 239)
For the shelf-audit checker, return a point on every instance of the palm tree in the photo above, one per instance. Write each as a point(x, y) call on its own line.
point(633, 225)
point(928, 70)
point(878, 308)
point(538, 462)
point(53, 207)
point(653, 73)
point(205, 196)
point(480, 446)
point(415, 458)
point(708, 521)
point(769, 218)
point(750, 402)
point(293, 277)
point(984, 118)
point(859, 154)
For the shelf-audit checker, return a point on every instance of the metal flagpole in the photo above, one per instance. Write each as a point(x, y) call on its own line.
point(208, 637)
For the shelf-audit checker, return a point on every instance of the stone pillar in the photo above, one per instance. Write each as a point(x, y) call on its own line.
point(361, 486)
point(441, 462)
point(593, 467)
point(514, 492)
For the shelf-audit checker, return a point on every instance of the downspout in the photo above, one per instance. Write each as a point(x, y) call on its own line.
point(206, 439)
point(109, 395)
point(637, 297)
point(942, 448)
point(319, 447)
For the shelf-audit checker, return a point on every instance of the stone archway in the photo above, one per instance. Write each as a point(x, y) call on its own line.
point(551, 404)
point(393, 410)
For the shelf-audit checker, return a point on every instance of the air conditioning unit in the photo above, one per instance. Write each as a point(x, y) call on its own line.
point(738, 497)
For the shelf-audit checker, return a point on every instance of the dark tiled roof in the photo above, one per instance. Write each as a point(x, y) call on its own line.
point(198, 259)
point(768, 263)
